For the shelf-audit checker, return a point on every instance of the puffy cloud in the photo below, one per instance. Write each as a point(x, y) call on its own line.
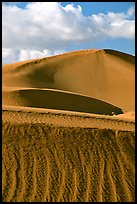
point(26, 54)
point(46, 28)
point(32, 54)
point(9, 55)
point(131, 11)
point(12, 55)
point(114, 25)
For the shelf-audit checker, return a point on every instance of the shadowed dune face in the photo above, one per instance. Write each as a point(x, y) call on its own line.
point(51, 99)
point(48, 163)
point(103, 74)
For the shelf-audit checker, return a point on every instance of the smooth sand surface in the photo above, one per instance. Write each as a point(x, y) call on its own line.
point(100, 74)
point(61, 100)
point(68, 128)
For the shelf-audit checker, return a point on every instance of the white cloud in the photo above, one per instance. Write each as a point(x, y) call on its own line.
point(12, 55)
point(49, 26)
point(9, 55)
point(131, 11)
point(32, 54)
point(26, 54)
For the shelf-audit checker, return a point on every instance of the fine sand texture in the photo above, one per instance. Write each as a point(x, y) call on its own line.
point(50, 163)
point(68, 128)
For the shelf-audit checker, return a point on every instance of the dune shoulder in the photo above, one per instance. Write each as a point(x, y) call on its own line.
point(94, 73)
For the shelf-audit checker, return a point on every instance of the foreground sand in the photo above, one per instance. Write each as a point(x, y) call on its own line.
point(21, 115)
point(68, 128)
point(54, 163)
point(68, 157)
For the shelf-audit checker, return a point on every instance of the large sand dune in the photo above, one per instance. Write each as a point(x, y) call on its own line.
point(102, 74)
point(60, 139)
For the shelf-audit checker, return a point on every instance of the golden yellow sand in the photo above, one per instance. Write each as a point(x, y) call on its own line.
point(49, 163)
point(100, 74)
point(68, 128)
point(55, 99)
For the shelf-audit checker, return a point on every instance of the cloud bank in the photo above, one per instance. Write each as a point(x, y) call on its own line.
point(48, 28)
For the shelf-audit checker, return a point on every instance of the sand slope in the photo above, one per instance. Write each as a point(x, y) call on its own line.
point(53, 99)
point(102, 74)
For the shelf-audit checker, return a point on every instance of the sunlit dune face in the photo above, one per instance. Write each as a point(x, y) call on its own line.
point(92, 73)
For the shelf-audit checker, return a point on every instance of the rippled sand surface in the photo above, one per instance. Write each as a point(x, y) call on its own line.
point(47, 163)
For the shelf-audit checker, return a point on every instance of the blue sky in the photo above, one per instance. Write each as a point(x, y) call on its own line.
point(37, 29)
point(90, 8)
point(101, 7)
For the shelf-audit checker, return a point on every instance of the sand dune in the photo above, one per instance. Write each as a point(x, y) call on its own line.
point(45, 98)
point(68, 128)
point(102, 74)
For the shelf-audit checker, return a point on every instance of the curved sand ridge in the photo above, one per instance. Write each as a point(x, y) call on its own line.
point(21, 115)
point(60, 100)
point(63, 155)
point(106, 75)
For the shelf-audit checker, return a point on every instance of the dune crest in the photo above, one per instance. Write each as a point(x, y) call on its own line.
point(106, 75)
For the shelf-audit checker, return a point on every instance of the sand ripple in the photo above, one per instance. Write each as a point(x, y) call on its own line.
point(47, 163)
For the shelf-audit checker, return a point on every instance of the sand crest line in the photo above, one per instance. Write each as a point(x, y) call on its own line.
point(90, 73)
point(64, 112)
point(65, 118)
